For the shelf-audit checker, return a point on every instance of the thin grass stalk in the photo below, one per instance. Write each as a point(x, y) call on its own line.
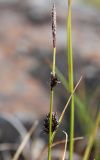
point(53, 72)
point(70, 75)
point(92, 138)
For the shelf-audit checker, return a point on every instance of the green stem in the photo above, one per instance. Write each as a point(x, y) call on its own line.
point(50, 125)
point(51, 107)
point(70, 75)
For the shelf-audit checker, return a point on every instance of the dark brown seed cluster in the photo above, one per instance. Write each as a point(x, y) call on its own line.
point(54, 122)
point(54, 81)
point(54, 25)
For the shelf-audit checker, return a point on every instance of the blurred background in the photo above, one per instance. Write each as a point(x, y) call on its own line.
point(25, 57)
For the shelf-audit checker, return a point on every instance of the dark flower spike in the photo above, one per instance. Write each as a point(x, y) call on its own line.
point(54, 81)
point(54, 122)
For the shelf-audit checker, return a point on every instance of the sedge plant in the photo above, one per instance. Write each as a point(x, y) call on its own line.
point(53, 75)
point(52, 84)
point(71, 86)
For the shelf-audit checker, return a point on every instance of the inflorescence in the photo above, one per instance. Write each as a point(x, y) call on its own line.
point(53, 81)
point(54, 122)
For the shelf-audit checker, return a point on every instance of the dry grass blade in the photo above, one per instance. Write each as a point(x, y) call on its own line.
point(24, 142)
point(64, 154)
point(63, 112)
point(63, 141)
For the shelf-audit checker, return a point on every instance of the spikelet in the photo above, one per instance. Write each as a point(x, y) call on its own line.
point(54, 122)
point(54, 25)
point(53, 81)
